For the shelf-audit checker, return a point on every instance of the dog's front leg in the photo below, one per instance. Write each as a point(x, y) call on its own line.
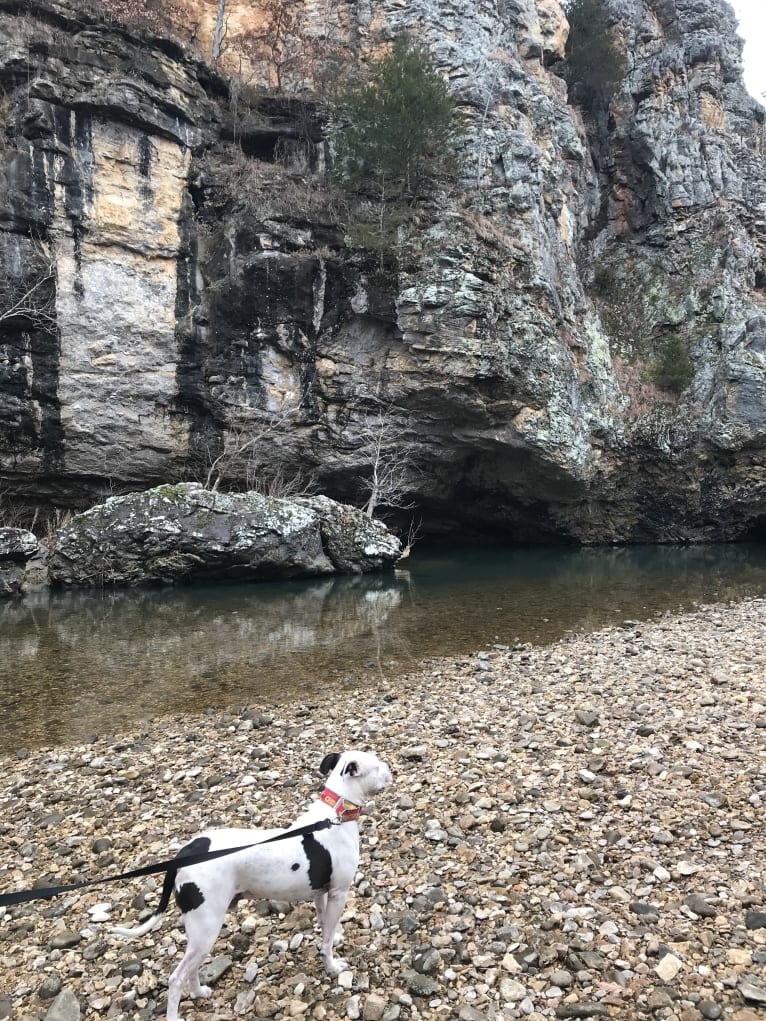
point(320, 902)
point(329, 920)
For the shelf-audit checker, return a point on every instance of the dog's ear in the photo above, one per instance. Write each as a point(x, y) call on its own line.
point(328, 763)
point(351, 768)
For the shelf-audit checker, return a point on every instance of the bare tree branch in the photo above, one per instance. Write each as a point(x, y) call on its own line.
point(248, 459)
point(33, 303)
point(392, 468)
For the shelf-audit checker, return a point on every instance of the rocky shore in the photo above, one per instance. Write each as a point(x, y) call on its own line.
point(574, 831)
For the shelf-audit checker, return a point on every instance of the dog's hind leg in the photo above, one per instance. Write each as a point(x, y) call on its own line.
point(187, 972)
point(202, 927)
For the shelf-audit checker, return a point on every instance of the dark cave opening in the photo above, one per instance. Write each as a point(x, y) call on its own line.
point(756, 531)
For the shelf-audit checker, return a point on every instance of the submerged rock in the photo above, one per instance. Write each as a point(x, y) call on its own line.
point(183, 533)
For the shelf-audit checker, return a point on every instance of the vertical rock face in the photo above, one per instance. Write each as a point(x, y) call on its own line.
point(570, 346)
point(680, 266)
point(116, 259)
point(687, 207)
point(95, 168)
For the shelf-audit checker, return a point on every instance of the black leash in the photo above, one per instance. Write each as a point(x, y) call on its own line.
point(181, 861)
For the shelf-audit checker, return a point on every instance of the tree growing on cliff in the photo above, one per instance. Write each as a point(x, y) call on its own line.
point(277, 41)
point(396, 131)
point(594, 62)
point(30, 302)
point(389, 470)
point(245, 458)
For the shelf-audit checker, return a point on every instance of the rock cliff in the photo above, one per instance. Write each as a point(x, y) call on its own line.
point(181, 293)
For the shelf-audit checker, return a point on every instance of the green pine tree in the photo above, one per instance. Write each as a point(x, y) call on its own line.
point(594, 62)
point(396, 132)
point(674, 370)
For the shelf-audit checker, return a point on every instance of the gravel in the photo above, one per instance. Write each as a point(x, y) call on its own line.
point(574, 831)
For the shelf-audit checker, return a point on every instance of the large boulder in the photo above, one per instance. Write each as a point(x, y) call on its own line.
point(21, 562)
point(17, 545)
point(183, 533)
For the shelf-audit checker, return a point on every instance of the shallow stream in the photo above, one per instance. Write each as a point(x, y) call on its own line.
point(74, 664)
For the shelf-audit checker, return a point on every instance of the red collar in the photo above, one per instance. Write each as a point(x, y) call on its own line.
point(346, 811)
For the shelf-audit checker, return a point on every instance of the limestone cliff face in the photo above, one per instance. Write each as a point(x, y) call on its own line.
point(197, 305)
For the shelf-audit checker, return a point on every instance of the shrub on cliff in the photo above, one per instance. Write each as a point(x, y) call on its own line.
point(594, 63)
point(396, 131)
point(161, 19)
point(674, 370)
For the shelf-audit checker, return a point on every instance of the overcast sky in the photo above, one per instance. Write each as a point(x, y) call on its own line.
point(751, 15)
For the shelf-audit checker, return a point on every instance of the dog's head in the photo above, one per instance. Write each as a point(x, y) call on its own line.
point(355, 775)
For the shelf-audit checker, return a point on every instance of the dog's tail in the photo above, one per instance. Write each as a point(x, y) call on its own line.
point(154, 920)
point(141, 930)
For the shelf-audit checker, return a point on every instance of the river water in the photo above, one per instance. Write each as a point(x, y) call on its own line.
point(74, 664)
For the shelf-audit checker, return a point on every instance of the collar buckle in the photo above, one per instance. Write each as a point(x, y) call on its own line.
point(346, 811)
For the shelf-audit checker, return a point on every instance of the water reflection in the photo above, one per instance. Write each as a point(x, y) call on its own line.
point(78, 663)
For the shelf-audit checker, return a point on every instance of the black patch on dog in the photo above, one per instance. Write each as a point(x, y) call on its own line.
point(295, 867)
point(200, 845)
point(328, 763)
point(320, 862)
point(351, 768)
point(189, 897)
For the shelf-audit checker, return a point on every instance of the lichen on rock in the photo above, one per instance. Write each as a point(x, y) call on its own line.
point(183, 533)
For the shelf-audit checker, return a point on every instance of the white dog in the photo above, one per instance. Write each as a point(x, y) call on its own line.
point(318, 866)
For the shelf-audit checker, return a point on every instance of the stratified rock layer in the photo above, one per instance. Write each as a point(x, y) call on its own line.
point(195, 289)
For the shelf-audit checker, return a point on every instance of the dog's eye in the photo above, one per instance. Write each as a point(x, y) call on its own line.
point(352, 768)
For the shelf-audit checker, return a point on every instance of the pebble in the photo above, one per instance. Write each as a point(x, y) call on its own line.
point(753, 992)
point(585, 843)
point(65, 1007)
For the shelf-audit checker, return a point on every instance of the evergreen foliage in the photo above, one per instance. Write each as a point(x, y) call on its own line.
point(594, 62)
point(674, 370)
point(397, 130)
